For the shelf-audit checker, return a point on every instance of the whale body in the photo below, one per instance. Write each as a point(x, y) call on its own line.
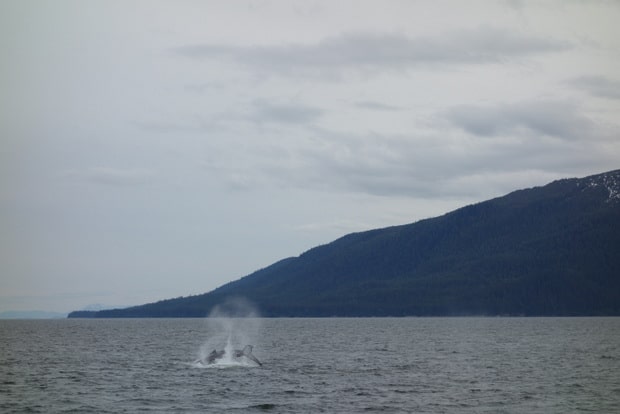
point(216, 355)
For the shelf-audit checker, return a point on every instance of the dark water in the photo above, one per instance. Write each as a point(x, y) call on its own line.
point(417, 365)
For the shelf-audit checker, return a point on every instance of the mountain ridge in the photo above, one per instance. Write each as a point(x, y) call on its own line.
point(545, 250)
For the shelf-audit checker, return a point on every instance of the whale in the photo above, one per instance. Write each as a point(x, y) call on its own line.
point(216, 355)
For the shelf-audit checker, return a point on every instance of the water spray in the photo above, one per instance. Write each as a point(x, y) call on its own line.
point(233, 328)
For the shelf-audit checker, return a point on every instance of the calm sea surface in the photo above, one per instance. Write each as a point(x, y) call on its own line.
point(415, 365)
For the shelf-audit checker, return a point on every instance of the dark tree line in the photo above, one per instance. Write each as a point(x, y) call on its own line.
point(551, 250)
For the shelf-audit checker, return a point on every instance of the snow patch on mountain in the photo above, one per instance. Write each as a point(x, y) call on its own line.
point(610, 180)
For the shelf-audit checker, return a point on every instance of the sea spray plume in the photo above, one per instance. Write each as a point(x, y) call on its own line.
point(235, 307)
point(237, 319)
point(231, 326)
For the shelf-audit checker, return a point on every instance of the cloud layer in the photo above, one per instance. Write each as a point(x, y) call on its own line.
point(598, 86)
point(538, 118)
point(382, 50)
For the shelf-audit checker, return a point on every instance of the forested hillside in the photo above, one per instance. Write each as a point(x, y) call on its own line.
point(551, 250)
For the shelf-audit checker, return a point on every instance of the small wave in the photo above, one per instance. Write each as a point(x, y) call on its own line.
point(264, 407)
point(221, 365)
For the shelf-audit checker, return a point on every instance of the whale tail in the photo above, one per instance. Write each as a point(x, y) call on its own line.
point(247, 352)
point(215, 356)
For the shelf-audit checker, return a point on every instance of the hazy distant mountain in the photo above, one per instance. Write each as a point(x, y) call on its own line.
point(552, 250)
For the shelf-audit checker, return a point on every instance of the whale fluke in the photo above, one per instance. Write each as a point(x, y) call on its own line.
point(216, 355)
point(247, 352)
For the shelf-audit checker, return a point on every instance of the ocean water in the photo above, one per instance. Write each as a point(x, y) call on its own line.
point(334, 365)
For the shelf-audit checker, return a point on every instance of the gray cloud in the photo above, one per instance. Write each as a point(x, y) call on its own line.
point(376, 106)
point(439, 164)
point(377, 164)
point(373, 51)
point(551, 118)
point(258, 111)
point(598, 86)
point(437, 167)
point(266, 111)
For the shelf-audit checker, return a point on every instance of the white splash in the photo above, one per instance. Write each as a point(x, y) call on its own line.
point(230, 326)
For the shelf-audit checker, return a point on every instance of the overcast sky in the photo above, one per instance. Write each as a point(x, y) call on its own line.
point(151, 150)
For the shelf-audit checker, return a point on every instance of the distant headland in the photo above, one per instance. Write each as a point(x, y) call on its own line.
point(551, 250)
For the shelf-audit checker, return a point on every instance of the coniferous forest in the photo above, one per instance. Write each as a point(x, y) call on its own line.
point(551, 250)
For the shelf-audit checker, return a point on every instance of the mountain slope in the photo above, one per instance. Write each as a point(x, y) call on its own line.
point(549, 250)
